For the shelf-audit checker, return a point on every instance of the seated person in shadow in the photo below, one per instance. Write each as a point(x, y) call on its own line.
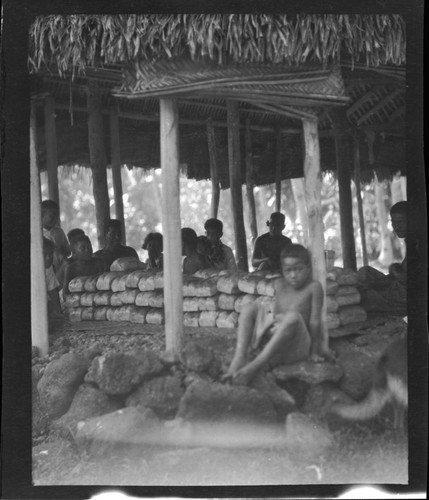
point(83, 264)
point(266, 253)
point(193, 261)
point(221, 256)
point(387, 293)
point(153, 244)
point(113, 248)
point(73, 233)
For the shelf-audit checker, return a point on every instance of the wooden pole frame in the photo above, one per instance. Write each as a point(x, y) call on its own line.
point(51, 148)
point(236, 185)
point(98, 161)
point(313, 189)
point(211, 141)
point(172, 238)
point(356, 158)
point(39, 303)
point(115, 158)
point(250, 180)
point(343, 149)
point(278, 169)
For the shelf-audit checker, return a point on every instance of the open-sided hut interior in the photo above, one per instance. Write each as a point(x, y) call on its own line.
point(240, 99)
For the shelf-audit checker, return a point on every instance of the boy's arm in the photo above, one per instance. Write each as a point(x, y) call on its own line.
point(68, 276)
point(61, 242)
point(55, 300)
point(257, 257)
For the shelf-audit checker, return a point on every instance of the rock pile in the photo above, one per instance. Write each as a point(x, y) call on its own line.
point(211, 298)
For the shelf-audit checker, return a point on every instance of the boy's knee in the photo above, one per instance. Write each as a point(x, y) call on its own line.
point(249, 312)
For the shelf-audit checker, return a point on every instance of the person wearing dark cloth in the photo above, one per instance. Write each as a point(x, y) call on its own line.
point(153, 244)
point(52, 231)
point(73, 233)
point(221, 256)
point(266, 254)
point(193, 261)
point(83, 264)
point(113, 249)
point(387, 293)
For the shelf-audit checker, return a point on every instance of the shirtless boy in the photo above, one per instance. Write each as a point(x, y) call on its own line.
point(83, 263)
point(289, 335)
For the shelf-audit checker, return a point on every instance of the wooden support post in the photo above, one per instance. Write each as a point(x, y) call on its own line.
point(211, 141)
point(115, 157)
point(51, 149)
point(313, 189)
point(356, 157)
point(172, 238)
point(250, 181)
point(343, 149)
point(299, 193)
point(39, 309)
point(236, 184)
point(98, 161)
point(278, 169)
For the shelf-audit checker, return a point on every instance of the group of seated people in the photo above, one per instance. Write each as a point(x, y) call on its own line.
point(69, 256)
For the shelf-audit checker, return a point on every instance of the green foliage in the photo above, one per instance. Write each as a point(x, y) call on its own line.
point(142, 209)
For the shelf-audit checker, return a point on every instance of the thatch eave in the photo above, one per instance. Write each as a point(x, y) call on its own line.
point(74, 43)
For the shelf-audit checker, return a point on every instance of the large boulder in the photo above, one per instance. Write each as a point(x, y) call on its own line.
point(88, 402)
point(282, 401)
point(60, 381)
point(161, 394)
point(122, 429)
point(39, 413)
point(358, 372)
point(311, 373)
point(118, 373)
point(321, 397)
point(201, 359)
point(215, 402)
point(306, 437)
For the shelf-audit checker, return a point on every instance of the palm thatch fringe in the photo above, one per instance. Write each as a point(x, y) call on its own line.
point(73, 43)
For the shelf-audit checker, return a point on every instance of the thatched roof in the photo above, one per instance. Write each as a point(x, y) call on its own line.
point(203, 60)
point(74, 43)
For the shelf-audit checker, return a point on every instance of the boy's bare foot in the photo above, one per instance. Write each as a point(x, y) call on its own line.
point(237, 363)
point(245, 374)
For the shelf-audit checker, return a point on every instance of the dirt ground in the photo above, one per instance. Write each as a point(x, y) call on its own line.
point(362, 453)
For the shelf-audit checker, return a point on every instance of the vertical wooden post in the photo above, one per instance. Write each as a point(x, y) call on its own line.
point(343, 150)
point(39, 309)
point(211, 141)
point(98, 161)
point(236, 184)
point(250, 181)
point(299, 192)
point(313, 189)
point(172, 239)
point(115, 157)
point(356, 156)
point(278, 169)
point(51, 149)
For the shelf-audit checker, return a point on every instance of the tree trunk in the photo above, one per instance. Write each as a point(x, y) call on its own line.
point(211, 140)
point(115, 156)
point(359, 199)
point(298, 190)
point(386, 253)
point(313, 189)
point(278, 169)
point(51, 149)
point(342, 149)
point(98, 161)
point(172, 239)
point(250, 182)
point(235, 184)
point(39, 311)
